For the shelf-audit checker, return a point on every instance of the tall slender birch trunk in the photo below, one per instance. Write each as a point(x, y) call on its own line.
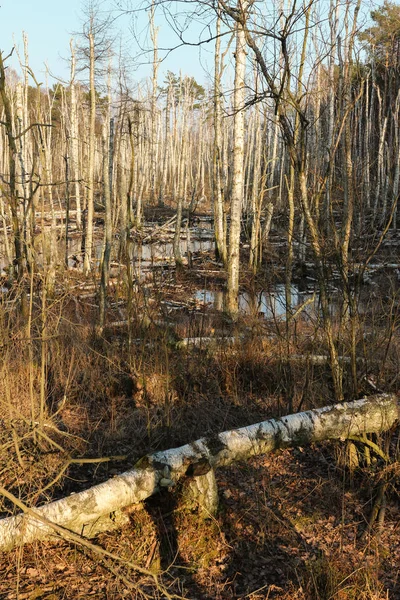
point(333, 23)
point(92, 142)
point(153, 128)
point(396, 177)
point(238, 166)
point(107, 139)
point(256, 195)
point(181, 175)
point(166, 149)
point(23, 143)
point(132, 165)
point(74, 138)
point(218, 187)
point(297, 139)
point(383, 122)
point(12, 158)
point(349, 312)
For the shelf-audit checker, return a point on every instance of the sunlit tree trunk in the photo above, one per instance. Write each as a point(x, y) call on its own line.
point(107, 138)
point(218, 185)
point(74, 139)
point(166, 149)
point(91, 157)
point(333, 25)
point(99, 508)
point(396, 149)
point(181, 172)
point(237, 189)
point(256, 194)
point(153, 128)
point(12, 192)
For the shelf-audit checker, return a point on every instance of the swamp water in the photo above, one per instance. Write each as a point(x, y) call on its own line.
point(147, 254)
point(269, 304)
point(144, 254)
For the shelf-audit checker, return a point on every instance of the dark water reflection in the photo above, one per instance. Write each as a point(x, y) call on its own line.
point(271, 304)
point(143, 254)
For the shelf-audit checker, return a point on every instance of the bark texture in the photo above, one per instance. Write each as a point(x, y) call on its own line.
point(98, 507)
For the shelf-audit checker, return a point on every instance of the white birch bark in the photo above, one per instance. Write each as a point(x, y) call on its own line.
point(91, 159)
point(275, 172)
point(108, 164)
point(181, 174)
point(380, 167)
point(108, 126)
point(238, 167)
point(396, 176)
point(95, 509)
point(256, 195)
point(132, 165)
point(333, 23)
point(153, 128)
point(366, 146)
point(74, 138)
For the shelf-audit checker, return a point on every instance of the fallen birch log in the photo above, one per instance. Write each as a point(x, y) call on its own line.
point(100, 507)
point(206, 341)
point(320, 359)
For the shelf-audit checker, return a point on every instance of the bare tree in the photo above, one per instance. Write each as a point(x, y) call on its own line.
point(96, 34)
point(238, 157)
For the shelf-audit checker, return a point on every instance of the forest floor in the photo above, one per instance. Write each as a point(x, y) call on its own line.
point(290, 525)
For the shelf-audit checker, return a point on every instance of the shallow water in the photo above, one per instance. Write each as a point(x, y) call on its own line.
point(143, 254)
point(270, 305)
point(159, 251)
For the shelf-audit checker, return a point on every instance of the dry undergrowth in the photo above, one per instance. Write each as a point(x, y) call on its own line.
point(288, 525)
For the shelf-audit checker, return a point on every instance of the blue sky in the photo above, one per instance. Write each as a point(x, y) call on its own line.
point(50, 24)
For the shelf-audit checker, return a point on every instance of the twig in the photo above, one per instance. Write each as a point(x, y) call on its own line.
point(378, 506)
point(70, 536)
point(370, 444)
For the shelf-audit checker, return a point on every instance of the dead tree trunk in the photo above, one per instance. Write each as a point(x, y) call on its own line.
point(238, 166)
point(74, 139)
point(12, 187)
point(99, 508)
point(218, 185)
point(90, 182)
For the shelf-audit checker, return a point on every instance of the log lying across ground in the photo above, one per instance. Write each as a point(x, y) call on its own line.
point(100, 507)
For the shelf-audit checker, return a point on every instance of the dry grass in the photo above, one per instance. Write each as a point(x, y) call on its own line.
point(288, 525)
